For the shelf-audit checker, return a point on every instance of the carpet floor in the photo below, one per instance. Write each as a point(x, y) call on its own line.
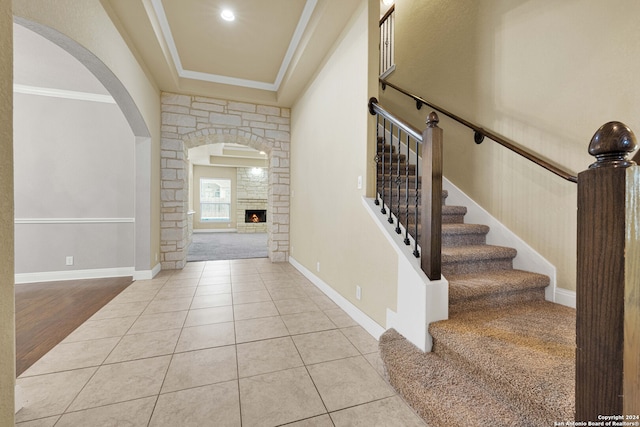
point(226, 246)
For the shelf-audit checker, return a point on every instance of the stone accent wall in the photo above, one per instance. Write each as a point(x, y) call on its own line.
point(252, 190)
point(252, 185)
point(191, 121)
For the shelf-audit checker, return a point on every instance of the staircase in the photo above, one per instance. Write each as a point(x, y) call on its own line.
point(505, 356)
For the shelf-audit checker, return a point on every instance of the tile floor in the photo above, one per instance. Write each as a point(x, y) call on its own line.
point(219, 343)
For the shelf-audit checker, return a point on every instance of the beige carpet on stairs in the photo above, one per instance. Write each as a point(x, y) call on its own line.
point(505, 357)
point(510, 366)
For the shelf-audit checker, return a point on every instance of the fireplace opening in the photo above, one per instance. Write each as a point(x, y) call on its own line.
point(255, 215)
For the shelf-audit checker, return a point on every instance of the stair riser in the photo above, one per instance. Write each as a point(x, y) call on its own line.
point(446, 219)
point(452, 218)
point(476, 266)
point(535, 415)
point(392, 169)
point(495, 301)
point(464, 239)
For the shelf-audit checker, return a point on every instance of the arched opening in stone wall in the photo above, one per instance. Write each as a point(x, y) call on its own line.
point(189, 122)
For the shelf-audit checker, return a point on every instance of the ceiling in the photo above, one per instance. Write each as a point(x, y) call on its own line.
point(267, 55)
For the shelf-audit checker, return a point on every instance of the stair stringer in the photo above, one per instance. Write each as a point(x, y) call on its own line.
point(528, 259)
point(419, 301)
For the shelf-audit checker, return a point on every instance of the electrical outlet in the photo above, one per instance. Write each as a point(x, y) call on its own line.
point(360, 182)
point(358, 293)
point(69, 260)
point(318, 266)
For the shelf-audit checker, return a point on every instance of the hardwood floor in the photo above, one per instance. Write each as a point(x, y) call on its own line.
point(47, 312)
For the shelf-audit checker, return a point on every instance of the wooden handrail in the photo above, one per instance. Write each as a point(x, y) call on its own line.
point(387, 14)
point(480, 133)
point(376, 108)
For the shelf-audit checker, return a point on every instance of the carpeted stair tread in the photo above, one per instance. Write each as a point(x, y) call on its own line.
point(525, 352)
point(469, 286)
point(438, 391)
point(466, 253)
point(476, 259)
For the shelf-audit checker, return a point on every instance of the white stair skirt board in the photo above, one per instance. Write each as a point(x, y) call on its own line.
point(420, 301)
point(52, 276)
point(527, 259)
point(356, 314)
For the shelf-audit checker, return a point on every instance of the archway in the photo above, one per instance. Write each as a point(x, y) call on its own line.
point(189, 122)
point(142, 249)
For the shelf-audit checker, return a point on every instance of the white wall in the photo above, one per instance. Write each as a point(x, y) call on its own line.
point(74, 166)
point(329, 146)
point(543, 73)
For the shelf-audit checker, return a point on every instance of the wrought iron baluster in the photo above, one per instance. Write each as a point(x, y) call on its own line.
point(390, 200)
point(377, 158)
point(398, 182)
point(406, 189)
point(416, 252)
point(383, 211)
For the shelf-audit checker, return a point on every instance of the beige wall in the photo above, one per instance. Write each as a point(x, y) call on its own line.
point(213, 172)
point(7, 306)
point(543, 73)
point(329, 223)
point(87, 23)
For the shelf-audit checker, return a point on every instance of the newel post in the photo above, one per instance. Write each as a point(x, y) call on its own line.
point(431, 205)
point(607, 269)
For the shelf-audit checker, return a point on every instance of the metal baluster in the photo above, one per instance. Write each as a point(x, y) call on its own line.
point(390, 202)
point(383, 211)
point(398, 182)
point(406, 188)
point(416, 252)
point(377, 159)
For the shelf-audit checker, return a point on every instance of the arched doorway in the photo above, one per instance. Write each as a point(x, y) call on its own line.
point(189, 122)
point(142, 154)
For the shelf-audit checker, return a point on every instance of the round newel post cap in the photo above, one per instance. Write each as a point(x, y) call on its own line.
point(433, 120)
point(611, 144)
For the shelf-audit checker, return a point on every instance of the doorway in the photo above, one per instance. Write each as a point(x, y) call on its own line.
point(189, 122)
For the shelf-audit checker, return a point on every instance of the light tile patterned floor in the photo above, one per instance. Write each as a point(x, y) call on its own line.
point(221, 343)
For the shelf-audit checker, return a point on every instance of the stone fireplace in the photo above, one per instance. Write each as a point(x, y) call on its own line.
point(244, 224)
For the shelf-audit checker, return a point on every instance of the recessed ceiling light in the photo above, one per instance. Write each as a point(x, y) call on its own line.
point(228, 15)
point(387, 2)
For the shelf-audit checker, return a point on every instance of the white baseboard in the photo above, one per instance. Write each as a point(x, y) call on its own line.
point(565, 297)
point(147, 274)
point(356, 314)
point(52, 276)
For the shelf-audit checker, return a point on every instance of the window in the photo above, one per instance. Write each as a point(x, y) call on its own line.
point(215, 200)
